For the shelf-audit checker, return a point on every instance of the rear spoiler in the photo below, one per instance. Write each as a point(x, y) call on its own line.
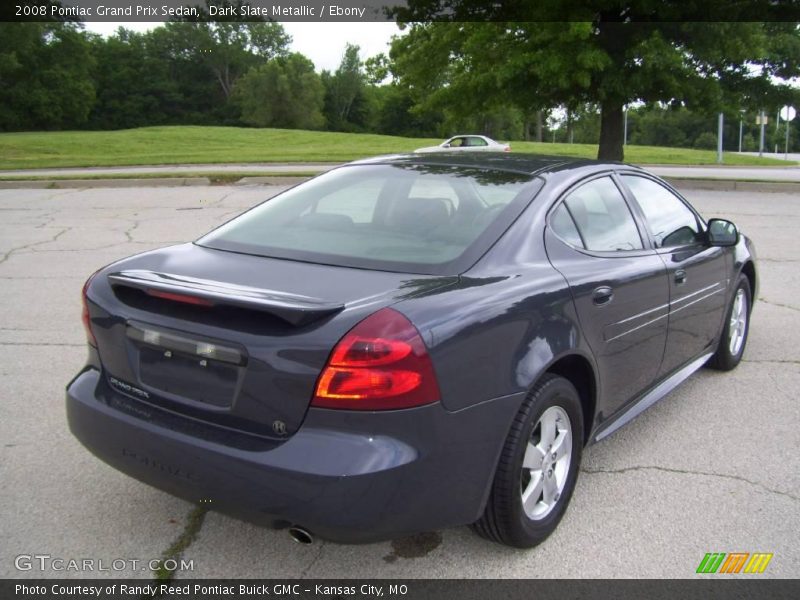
point(293, 308)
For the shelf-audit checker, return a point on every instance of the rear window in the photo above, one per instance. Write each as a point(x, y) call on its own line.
point(407, 218)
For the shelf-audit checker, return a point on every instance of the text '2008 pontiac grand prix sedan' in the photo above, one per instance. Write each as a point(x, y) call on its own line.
point(408, 343)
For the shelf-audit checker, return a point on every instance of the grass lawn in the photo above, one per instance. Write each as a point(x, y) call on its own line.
point(193, 145)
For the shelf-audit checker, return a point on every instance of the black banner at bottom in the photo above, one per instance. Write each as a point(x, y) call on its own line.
point(701, 588)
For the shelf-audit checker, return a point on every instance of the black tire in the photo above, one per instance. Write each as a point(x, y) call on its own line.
point(505, 520)
point(724, 359)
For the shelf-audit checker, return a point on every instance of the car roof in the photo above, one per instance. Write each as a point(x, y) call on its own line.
point(517, 162)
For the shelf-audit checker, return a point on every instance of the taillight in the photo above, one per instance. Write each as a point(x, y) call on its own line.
point(183, 298)
point(87, 323)
point(382, 363)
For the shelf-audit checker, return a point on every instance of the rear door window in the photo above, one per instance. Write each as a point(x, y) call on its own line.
point(602, 217)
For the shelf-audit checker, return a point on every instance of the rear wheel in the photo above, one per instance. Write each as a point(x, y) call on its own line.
point(538, 467)
point(734, 333)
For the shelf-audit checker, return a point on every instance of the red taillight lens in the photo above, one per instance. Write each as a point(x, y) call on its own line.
point(380, 364)
point(87, 323)
point(184, 298)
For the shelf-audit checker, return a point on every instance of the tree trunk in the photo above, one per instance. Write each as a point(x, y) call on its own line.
point(538, 126)
point(569, 126)
point(611, 131)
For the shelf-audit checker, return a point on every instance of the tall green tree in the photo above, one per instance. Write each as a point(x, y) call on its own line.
point(45, 76)
point(284, 92)
point(347, 104)
point(224, 46)
point(134, 85)
point(603, 52)
point(227, 49)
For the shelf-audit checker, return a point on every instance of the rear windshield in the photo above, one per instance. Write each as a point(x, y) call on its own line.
point(407, 218)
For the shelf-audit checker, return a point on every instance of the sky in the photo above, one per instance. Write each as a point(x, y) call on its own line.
point(323, 43)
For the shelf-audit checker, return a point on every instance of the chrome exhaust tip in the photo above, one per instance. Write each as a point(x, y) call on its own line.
point(300, 535)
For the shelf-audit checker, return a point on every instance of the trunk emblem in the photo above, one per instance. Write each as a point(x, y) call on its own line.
point(279, 427)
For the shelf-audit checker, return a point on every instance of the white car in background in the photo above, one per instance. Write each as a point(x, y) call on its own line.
point(471, 143)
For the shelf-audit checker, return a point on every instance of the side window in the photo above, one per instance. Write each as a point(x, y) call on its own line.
point(602, 217)
point(670, 220)
point(564, 227)
point(476, 141)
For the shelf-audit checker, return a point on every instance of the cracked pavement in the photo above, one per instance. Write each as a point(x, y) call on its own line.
point(714, 467)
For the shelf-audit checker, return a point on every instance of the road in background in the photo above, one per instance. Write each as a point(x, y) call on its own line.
point(788, 173)
point(792, 156)
point(712, 468)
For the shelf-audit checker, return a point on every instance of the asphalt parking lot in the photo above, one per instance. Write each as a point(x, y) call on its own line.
point(715, 467)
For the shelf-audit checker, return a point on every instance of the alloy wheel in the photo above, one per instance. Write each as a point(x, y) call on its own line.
point(545, 465)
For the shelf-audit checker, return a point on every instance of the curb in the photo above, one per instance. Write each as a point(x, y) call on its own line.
point(733, 185)
point(280, 180)
point(681, 183)
point(38, 184)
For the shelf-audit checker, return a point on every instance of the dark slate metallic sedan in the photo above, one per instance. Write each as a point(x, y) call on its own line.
point(408, 343)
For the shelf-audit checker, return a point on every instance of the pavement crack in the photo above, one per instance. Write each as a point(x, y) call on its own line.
point(778, 304)
point(42, 344)
point(773, 362)
point(219, 201)
point(314, 560)
point(129, 231)
point(8, 254)
point(194, 523)
point(690, 472)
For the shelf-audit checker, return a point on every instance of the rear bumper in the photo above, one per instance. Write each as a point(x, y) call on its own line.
point(345, 476)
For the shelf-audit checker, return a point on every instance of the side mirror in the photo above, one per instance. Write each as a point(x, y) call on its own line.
point(722, 233)
point(447, 145)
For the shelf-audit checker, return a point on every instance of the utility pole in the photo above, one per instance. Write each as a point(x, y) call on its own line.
point(719, 137)
point(625, 126)
point(762, 120)
point(741, 119)
point(787, 113)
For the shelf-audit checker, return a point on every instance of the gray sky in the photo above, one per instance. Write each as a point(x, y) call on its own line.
point(323, 43)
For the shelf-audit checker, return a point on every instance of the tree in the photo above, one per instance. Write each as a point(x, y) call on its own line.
point(134, 87)
point(45, 76)
point(284, 92)
point(228, 48)
point(604, 52)
point(396, 114)
point(346, 103)
point(207, 58)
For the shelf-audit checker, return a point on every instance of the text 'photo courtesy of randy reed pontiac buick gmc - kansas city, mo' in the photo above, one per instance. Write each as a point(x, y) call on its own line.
point(409, 343)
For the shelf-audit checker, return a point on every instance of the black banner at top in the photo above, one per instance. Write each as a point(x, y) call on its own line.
point(400, 10)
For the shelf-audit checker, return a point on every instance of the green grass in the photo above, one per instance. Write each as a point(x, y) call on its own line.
point(193, 145)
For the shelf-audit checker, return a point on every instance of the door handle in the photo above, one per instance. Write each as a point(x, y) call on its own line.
point(602, 295)
point(680, 276)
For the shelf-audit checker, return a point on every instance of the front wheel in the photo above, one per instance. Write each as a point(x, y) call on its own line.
point(538, 467)
point(734, 333)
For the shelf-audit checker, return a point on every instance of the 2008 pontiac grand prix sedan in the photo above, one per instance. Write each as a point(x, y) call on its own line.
point(408, 343)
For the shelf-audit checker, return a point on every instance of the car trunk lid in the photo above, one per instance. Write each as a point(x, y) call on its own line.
point(231, 339)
